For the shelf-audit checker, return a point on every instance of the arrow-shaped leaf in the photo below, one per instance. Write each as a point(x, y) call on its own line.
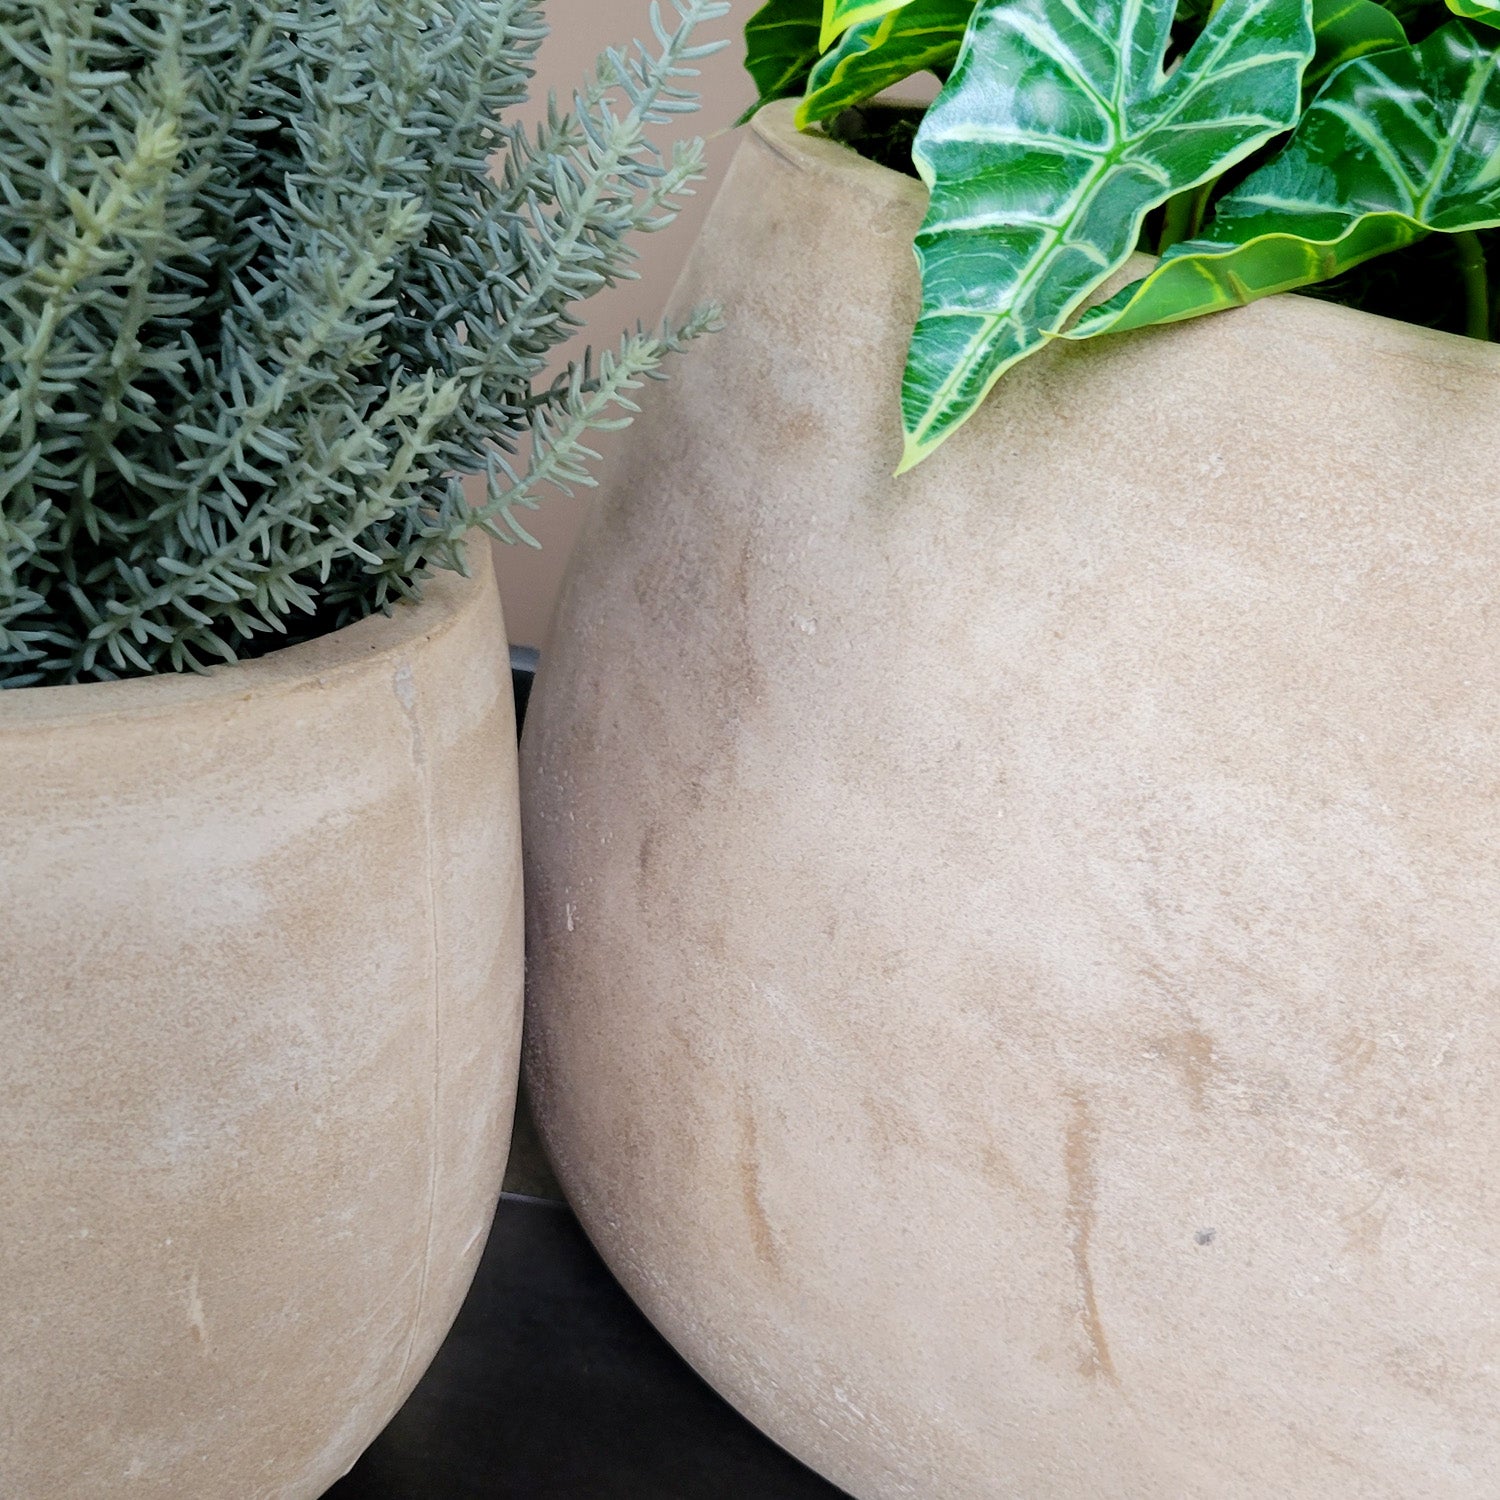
point(1344, 30)
point(1396, 145)
point(876, 54)
point(781, 48)
point(840, 15)
point(1057, 133)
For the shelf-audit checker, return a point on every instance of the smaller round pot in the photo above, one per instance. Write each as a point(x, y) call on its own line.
point(261, 1023)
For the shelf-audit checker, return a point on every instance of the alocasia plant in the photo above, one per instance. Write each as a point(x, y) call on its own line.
point(1258, 145)
point(1055, 136)
point(1398, 145)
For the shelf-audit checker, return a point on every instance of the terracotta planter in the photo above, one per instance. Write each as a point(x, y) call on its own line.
point(260, 1016)
point(1014, 949)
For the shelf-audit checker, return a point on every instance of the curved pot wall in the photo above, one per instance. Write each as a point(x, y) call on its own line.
point(260, 1020)
point(1014, 947)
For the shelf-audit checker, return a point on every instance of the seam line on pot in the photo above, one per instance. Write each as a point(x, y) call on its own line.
point(407, 697)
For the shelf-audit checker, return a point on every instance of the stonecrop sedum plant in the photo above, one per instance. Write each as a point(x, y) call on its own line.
point(1256, 146)
point(275, 275)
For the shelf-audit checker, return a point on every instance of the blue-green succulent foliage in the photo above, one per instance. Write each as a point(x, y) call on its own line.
point(274, 275)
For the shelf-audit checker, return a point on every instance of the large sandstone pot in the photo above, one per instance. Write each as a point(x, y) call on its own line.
point(1016, 970)
point(259, 1038)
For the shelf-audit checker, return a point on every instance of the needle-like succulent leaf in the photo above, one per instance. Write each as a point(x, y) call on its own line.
point(273, 278)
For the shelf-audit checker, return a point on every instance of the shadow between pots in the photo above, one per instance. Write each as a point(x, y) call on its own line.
point(552, 1386)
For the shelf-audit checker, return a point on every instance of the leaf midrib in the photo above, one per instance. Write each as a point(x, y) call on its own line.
point(1113, 155)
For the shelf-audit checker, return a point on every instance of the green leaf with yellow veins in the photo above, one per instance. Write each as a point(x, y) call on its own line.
point(1397, 146)
point(782, 48)
point(840, 15)
point(876, 54)
point(1057, 133)
point(1344, 30)
point(1487, 11)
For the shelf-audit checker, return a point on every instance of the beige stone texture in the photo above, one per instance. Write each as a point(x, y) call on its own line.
point(1015, 968)
point(259, 1037)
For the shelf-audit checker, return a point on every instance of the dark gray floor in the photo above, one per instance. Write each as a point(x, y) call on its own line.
point(528, 1172)
point(553, 1387)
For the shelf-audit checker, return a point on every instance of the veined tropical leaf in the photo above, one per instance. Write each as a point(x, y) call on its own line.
point(1396, 145)
point(1058, 131)
point(781, 48)
point(875, 54)
point(1344, 30)
point(840, 15)
point(1487, 11)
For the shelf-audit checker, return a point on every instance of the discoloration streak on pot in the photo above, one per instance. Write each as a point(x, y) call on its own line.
point(762, 1236)
point(1078, 1157)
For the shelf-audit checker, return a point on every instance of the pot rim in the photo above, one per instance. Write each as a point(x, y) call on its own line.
point(774, 127)
point(367, 644)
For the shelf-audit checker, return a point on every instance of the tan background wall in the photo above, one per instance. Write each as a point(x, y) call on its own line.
point(581, 29)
